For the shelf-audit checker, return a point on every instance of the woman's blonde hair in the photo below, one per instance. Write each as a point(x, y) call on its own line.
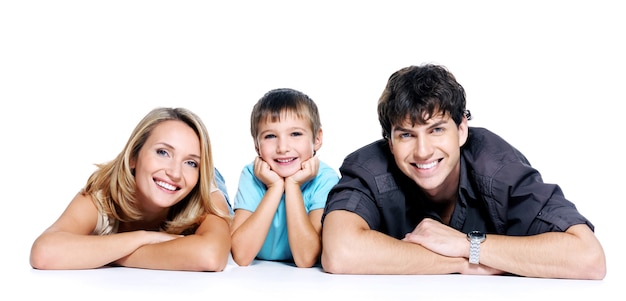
point(113, 186)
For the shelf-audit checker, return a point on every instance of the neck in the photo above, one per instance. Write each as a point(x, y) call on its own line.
point(443, 198)
point(147, 222)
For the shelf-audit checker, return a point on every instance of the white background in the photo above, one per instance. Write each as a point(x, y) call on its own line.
point(76, 77)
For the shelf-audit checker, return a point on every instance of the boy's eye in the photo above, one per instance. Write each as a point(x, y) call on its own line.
point(296, 134)
point(269, 136)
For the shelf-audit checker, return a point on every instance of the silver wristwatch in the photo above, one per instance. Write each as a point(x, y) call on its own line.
point(475, 238)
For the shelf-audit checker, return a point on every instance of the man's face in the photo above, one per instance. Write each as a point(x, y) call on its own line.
point(429, 153)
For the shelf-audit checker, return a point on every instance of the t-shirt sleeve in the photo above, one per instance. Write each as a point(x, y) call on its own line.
point(250, 190)
point(320, 187)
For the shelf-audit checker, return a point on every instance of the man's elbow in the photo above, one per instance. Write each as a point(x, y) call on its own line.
point(336, 260)
point(595, 269)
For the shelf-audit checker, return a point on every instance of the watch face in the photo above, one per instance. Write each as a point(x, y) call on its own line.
point(476, 235)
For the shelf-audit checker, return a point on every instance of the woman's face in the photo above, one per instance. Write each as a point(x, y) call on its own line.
point(167, 166)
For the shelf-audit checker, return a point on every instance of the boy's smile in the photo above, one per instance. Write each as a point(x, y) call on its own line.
point(286, 143)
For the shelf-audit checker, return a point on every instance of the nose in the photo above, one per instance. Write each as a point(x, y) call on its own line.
point(423, 148)
point(173, 171)
point(282, 145)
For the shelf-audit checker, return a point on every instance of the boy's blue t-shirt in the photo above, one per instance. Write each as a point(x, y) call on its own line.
point(314, 193)
point(221, 185)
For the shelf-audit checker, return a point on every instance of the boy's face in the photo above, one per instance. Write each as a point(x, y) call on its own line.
point(429, 153)
point(285, 144)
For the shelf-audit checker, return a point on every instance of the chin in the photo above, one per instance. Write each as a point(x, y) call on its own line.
point(285, 175)
point(283, 172)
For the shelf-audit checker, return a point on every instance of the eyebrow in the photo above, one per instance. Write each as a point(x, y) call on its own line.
point(288, 130)
point(167, 145)
point(434, 125)
point(438, 123)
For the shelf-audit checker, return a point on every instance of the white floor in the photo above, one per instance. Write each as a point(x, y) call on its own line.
point(283, 281)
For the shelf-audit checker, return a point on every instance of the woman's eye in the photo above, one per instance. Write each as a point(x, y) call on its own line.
point(192, 163)
point(162, 152)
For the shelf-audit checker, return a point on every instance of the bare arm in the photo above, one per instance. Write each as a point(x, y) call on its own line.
point(304, 229)
point(351, 247)
point(575, 253)
point(205, 250)
point(250, 228)
point(68, 243)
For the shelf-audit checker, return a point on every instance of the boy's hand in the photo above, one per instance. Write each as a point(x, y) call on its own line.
point(307, 172)
point(263, 171)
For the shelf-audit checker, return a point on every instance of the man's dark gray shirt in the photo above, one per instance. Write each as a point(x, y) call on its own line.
point(499, 192)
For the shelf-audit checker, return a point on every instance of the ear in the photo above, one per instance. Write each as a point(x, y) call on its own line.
point(463, 131)
point(390, 143)
point(317, 141)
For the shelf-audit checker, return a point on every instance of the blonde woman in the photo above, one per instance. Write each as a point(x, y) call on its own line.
point(157, 205)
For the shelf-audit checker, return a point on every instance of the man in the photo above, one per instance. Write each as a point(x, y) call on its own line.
point(435, 196)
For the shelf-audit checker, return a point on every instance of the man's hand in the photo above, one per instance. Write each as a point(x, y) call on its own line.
point(447, 241)
point(439, 238)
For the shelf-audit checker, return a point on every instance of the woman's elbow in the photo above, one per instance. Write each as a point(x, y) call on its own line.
point(41, 257)
point(211, 262)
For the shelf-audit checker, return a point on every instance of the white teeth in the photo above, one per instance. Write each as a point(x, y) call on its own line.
point(427, 166)
point(166, 186)
point(284, 161)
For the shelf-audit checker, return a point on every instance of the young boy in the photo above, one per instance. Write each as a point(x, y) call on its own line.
point(282, 194)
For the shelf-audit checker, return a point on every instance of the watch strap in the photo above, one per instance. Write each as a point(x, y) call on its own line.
point(474, 251)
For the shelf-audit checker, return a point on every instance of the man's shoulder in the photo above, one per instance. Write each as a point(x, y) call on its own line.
point(376, 150)
point(487, 149)
point(375, 158)
point(482, 133)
